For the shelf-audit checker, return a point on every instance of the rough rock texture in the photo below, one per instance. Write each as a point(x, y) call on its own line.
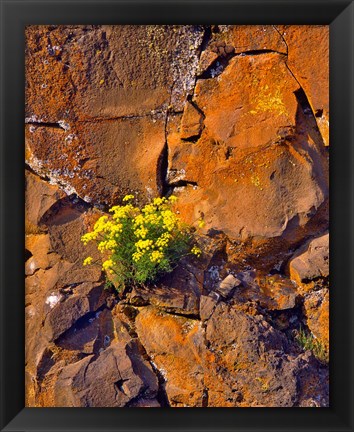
point(268, 170)
point(236, 360)
point(309, 267)
point(249, 363)
point(311, 261)
point(95, 87)
point(234, 121)
point(300, 41)
point(175, 345)
point(113, 379)
point(316, 307)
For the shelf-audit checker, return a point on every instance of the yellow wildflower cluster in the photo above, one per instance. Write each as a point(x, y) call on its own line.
point(109, 245)
point(128, 197)
point(196, 251)
point(139, 243)
point(121, 212)
point(107, 264)
point(87, 261)
point(143, 245)
point(163, 240)
point(159, 204)
point(88, 237)
point(170, 220)
point(103, 225)
point(141, 232)
point(156, 256)
point(100, 224)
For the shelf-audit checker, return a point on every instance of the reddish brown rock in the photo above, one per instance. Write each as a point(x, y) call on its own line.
point(174, 344)
point(207, 58)
point(262, 99)
point(314, 39)
point(279, 293)
point(42, 254)
point(316, 308)
point(65, 236)
point(247, 364)
point(207, 305)
point(63, 313)
point(115, 378)
point(176, 300)
point(240, 361)
point(91, 71)
point(39, 197)
point(53, 280)
point(104, 115)
point(246, 38)
point(192, 122)
point(273, 292)
point(311, 261)
point(100, 173)
point(227, 285)
point(39, 289)
point(234, 157)
point(256, 188)
point(236, 139)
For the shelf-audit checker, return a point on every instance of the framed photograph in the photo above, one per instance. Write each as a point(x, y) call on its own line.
point(188, 234)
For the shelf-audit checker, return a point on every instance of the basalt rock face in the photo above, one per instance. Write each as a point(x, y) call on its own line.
point(234, 121)
point(88, 89)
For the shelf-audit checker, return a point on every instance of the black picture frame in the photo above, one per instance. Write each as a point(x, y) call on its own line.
point(14, 16)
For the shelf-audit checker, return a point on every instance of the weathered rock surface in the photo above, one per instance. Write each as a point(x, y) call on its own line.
point(314, 80)
point(316, 307)
point(39, 197)
point(174, 344)
point(115, 378)
point(261, 168)
point(250, 365)
point(238, 360)
point(254, 38)
point(191, 123)
point(234, 121)
point(273, 292)
point(311, 261)
point(104, 115)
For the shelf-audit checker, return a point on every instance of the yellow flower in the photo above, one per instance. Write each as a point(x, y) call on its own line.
point(156, 256)
point(138, 220)
point(201, 223)
point(152, 232)
point(136, 256)
point(149, 208)
point(111, 244)
point(169, 220)
point(196, 251)
point(141, 232)
point(101, 246)
point(143, 244)
point(163, 240)
point(159, 201)
point(107, 264)
point(88, 237)
point(87, 261)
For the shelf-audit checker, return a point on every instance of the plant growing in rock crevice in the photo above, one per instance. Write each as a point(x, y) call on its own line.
point(308, 342)
point(139, 245)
